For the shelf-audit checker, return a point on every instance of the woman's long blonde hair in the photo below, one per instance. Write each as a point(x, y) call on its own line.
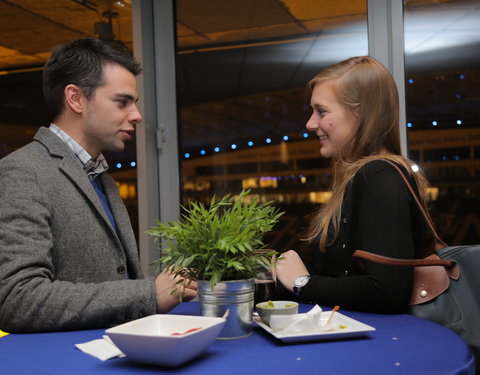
point(368, 92)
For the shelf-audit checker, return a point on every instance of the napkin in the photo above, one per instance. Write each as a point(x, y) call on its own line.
point(310, 321)
point(102, 349)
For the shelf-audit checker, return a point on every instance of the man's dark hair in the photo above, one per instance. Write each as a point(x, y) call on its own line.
point(81, 63)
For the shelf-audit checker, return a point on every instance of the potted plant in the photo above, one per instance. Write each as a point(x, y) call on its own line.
point(220, 246)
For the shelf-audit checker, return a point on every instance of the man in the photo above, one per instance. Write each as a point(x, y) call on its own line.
point(68, 257)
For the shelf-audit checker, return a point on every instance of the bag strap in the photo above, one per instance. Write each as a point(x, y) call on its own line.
point(439, 242)
point(432, 260)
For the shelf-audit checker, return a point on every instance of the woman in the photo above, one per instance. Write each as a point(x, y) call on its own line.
point(356, 117)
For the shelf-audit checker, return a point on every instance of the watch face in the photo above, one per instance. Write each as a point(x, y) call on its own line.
point(301, 281)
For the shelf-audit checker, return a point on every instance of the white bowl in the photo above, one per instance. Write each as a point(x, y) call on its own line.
point(266, 309)
point(164, 340)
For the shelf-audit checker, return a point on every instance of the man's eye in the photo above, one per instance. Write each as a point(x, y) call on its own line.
point(122, 103)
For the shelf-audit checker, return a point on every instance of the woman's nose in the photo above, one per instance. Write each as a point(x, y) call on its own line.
point(311, 123)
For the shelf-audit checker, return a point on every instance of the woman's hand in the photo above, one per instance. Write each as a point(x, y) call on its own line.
point(289, 267)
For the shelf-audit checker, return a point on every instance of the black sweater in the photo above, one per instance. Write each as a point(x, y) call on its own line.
point(378, 215)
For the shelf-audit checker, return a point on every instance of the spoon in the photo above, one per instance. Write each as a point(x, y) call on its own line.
point(336, 308)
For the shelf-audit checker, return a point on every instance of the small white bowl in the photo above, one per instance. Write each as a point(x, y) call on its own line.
point(267, 309)
point(165, 339)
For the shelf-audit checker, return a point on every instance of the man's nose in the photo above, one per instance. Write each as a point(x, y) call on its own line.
point(135, 117)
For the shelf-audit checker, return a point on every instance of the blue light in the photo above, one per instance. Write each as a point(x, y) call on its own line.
point(187, 155)
point(119, 165)
point(250, 143)
point(233, 147)
point(434, 123)
point(285, 137)
point(409, 125)
point(459, 122)
point(268, 140)
point(203, 152)
point(410, 81)
point(216, 149)
point(305, 135)
point(444, 158)
point(461, 76)
point(456, 157)
point(458, 96)
point(133, 164)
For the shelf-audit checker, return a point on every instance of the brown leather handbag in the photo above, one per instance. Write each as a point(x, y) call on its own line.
point(446, 286)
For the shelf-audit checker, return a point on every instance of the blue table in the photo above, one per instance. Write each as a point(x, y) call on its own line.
point(401, 344)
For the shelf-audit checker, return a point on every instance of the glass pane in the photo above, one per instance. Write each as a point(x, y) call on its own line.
point(442, 46)
point(29, 30)
point(242, 69)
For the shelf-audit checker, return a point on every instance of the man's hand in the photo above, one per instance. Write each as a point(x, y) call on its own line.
point(165, 283)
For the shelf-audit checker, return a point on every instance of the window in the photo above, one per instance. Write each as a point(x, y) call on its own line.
point(442, 60)
point(242, 69)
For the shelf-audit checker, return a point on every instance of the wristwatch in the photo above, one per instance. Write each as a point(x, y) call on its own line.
point(299, 283)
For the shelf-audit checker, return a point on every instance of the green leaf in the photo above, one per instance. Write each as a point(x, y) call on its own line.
point(216, 242)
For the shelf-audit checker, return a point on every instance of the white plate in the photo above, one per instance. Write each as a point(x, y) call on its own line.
point(353, 328)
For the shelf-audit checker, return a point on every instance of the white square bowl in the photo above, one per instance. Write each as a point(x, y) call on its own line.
point(164, 340)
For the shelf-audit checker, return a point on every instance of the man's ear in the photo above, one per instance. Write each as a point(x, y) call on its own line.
point(74, 98)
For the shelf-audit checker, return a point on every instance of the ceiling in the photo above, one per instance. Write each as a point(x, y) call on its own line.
point(29, 28)
point(242, 62)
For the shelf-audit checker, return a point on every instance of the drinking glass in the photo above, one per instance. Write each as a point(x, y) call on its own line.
point(265, 282)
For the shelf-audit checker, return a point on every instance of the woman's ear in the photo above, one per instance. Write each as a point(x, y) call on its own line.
point(74, 98)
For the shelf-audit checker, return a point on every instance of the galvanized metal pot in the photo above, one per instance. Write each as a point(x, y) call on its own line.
point(235, 296)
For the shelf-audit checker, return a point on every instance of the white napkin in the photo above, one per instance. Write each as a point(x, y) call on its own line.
point(102, 349)
point(310, 321)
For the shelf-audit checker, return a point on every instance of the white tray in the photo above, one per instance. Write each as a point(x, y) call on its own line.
point(353, 328)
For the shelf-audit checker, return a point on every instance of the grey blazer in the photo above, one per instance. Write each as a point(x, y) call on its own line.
point(62, 265)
